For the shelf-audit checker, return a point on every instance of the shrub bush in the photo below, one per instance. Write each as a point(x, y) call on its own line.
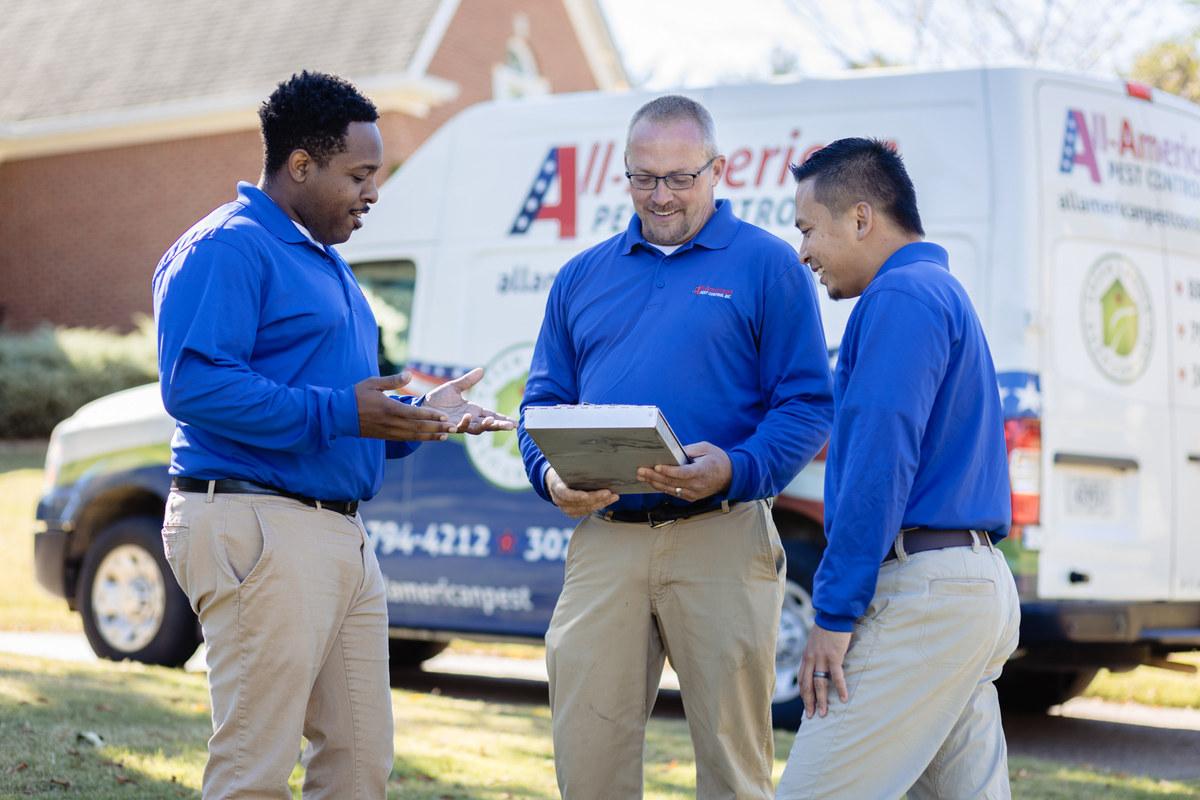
point(48, 373)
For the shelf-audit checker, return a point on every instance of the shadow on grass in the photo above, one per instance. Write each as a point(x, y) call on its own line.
point(505, 690)
point(151, 725)
point(1121, 747)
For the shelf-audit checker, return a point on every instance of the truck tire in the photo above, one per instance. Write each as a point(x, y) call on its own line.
point(408, 654)
point(1035, 690)
point(795, 623)
point(131, 605)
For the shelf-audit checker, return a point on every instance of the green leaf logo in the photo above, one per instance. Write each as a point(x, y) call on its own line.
point(1120, 317)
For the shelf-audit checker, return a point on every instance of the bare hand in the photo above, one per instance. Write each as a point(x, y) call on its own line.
point(825, 652)
point(468, 417)
point(710, 472)
point(381, 417)
point(576, 503)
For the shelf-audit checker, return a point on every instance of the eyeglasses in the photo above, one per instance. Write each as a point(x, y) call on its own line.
point(676, 181)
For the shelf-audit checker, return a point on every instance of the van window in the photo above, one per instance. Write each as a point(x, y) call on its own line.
point(388, 286)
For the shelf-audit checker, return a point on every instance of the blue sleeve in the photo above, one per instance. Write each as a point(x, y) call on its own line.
point(793, 371)
point(207, 312)
point(900, 356)
point(552, 380)
point(393, 449)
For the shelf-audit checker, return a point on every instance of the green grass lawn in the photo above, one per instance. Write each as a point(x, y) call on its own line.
point(152, 724)
point(24, 604)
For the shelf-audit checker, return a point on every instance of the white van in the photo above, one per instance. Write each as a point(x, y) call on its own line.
point(1071, 211)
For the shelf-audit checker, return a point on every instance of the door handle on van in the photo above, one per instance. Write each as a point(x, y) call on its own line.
point(1086, 460)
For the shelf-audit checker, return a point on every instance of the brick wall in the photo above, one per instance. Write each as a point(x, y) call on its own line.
point(80, 233)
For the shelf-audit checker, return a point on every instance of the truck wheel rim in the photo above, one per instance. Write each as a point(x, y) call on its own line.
point(795, 621)
point(129, 599)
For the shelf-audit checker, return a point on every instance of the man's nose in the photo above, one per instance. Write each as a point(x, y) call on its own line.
point(370, 191)
point(661, 193)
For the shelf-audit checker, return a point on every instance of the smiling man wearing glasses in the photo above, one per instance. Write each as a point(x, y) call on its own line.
point(715, 321)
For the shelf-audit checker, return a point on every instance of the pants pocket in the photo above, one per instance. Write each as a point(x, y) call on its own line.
point(961, 619)
point(175, 538)
point(770, 547)
point(244, 541)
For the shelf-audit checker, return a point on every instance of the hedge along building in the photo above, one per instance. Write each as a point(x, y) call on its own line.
point(123, 123)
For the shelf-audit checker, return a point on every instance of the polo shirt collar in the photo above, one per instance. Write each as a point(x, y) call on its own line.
point(914, 252)
point(269, 214)
point(716, 234)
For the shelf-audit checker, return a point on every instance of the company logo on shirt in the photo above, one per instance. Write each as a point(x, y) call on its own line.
point(1118, 326)
point(497, 456)
point(713, 291)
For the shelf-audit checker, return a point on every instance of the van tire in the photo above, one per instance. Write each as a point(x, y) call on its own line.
point(796, 619)
point(408, 654)
point(131, 605)
point(1036, 690)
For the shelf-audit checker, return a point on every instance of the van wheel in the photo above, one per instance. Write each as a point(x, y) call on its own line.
point(132, 607)
point(796, 619)
point(1035, 690)
point(407, 654)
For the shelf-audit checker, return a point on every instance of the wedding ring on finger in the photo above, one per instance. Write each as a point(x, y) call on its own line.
point(819, 675)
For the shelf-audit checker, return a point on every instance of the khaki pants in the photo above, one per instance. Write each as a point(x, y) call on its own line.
point(923, 716)
point(706, 592)
point(294, 614)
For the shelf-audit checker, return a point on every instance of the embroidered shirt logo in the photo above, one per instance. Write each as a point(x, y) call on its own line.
point(713, 291)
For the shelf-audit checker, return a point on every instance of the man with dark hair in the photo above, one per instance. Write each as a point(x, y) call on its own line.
point(716, 322)
point(916, 610)
point(267, 357)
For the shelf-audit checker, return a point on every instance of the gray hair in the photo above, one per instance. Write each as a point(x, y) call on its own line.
point(671, 107)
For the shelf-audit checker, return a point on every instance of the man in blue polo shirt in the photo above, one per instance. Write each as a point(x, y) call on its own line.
point(268, 361)
point(916, 610)
point(715, 321)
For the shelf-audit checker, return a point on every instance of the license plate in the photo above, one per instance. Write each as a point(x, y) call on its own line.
point(1090, 496)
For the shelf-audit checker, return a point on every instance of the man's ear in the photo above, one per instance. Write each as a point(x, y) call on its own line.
point(864, 220)
point(299, 165)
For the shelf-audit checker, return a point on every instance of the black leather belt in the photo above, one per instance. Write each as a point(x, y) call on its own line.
point(918, 540)
point(662, 514)
point(234, 486)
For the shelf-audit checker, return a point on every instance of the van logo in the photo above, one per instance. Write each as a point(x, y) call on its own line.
point(497, 456)
point(558, 169)
point(713, 291)
point(1077, 146)
point(1118, 329)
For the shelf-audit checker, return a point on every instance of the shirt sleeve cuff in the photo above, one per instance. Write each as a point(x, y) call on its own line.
point(739, 466)
point(345, 412)
point(835, 622)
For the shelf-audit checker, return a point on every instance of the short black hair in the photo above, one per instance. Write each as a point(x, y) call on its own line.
point(849, 171)
point(311, 112)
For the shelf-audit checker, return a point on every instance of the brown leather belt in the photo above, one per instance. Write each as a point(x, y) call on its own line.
point(235, 486)
point(918, 540)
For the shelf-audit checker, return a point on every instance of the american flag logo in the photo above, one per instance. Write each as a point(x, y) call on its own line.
point(557, 169)
point(1077, 146)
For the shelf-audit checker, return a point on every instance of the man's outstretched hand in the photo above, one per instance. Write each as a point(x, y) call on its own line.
point(465, 416)
point(381, 417)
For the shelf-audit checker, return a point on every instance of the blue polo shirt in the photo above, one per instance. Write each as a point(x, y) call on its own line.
point(724, 335)
point(262, 334)
point(918, 436)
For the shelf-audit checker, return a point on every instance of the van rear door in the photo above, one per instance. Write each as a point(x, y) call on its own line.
point(1176, 178)
point(1106, 434)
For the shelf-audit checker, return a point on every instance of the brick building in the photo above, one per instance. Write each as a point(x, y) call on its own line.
point(123, 123)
